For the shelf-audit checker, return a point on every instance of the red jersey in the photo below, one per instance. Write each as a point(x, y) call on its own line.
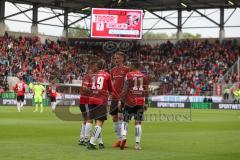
point(100, 87)
point(137, 88)
point(86, 84)
point(118, 75)
point(20, 88)
point(52, 90)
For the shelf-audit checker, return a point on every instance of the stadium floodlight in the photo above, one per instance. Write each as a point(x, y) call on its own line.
point(183, 4)
point(145, 10)
point(231, 3)
point(86, 8)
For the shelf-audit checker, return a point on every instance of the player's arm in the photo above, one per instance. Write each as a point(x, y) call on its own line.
point(125, 90)
point(81, 86)
point(15, 88)
point(43, 90)
point(24, 87)
point(123, 93)
point(86, 85)
point(111, 74)
point(30, 87)
point(33, 90)
point(57, 88)
point(49, 91)
point(111, 87)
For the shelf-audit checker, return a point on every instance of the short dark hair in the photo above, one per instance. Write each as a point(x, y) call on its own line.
point(101, 64)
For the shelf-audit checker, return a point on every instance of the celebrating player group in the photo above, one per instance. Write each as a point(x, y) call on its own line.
point(125, 85)
point(127, 88)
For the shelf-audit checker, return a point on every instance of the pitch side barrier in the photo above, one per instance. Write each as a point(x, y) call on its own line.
point(196, 105)
point(193, 102)
point(9, 99)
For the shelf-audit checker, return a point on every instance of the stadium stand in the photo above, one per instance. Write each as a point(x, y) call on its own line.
point(187, 67)
point(4, 69)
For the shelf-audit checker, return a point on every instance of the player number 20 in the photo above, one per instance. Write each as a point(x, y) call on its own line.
point(98, 83)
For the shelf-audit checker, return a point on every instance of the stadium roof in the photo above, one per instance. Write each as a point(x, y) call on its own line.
point(153, 5)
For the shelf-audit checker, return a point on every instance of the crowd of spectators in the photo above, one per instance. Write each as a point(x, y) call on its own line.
point(27, 57)
point(187, 67)
point(3, 78)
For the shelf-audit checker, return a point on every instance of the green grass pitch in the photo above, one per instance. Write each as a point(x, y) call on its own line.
point(211, 135)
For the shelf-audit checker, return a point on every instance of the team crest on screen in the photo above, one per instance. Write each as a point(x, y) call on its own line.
point(133, 18)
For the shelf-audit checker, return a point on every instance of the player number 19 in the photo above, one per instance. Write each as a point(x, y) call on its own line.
point(98, 83)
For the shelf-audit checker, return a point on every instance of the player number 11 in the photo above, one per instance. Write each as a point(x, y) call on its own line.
point(136, 88)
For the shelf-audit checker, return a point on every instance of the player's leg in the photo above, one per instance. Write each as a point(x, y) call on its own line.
point(22, 101)
point(100, 141)
point(88, 130)
point(51, 99)
point(127, 114)
point(103, 117)
point(83, 124)
point(138, 134)
point(138, 127)
point(120, 120)
point(100, 115)
point(89, 123)
point(116, 122)
point(18, 104)
point(95, 135)
point(41, 104)
point(36, 100)
point(82, 132)
point(53, 103)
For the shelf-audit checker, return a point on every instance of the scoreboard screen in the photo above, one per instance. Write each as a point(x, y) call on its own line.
point(116, 23)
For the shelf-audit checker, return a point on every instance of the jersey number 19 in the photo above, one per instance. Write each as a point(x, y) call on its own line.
point(97, 83)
